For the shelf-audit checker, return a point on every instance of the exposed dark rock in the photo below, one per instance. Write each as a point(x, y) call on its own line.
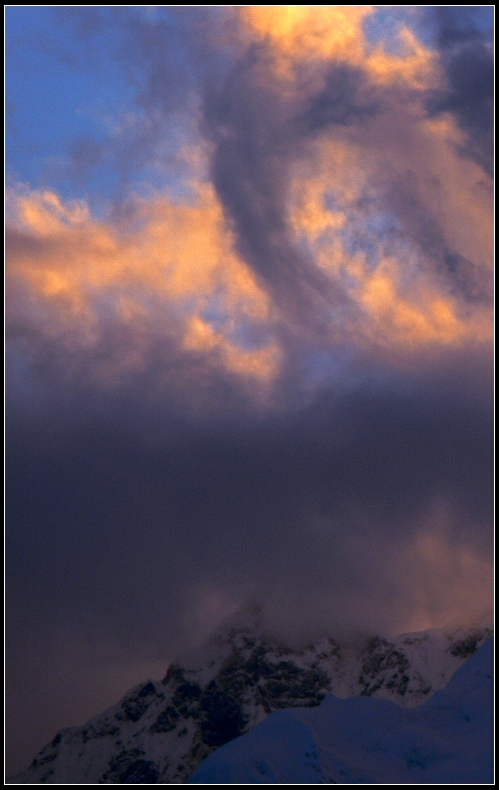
point(185, 698)
point(142, 772)
point(134, 706)
point(121, 766)
point(196, 710)
point(167, 720)
point(223, 718)
point(464, 647)
point(47, 759)
point(174, 674)
point(378, 661)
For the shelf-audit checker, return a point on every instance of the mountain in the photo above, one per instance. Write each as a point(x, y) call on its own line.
point(448, 740)
point(161, 731)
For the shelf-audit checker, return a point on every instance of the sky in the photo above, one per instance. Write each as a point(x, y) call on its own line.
point(249, 334)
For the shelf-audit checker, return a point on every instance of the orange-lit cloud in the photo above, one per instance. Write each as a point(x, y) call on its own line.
point(298, 34)
point(310, 31)
point(339, 203)
point(176, 263)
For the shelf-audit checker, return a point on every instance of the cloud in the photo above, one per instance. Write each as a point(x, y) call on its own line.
point(468, 61)
point(329, 221)
point(270, 377)
point(366, 510)
point(108, 292)
point(341, 96)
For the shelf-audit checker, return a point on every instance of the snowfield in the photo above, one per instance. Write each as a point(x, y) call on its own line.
point(449, 739)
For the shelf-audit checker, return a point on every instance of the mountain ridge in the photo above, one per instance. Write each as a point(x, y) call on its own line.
point(160, 731)
point(449, 739)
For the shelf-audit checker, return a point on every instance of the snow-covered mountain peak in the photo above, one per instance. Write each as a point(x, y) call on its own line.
point(364, 740)
point(161, 731)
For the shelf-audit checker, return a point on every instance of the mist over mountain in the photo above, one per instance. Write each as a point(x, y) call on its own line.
point(160, 732)
point(447, 740)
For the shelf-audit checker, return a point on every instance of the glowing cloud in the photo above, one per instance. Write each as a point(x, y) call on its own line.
point(173, 268)
point(298, 34)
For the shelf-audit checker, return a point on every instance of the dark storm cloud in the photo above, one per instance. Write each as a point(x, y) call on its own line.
point(259, 133)
point(468, 60)
point(123, 514)
point(119, 511)
point(347, 98)
point(465, 280)
point(255, 144)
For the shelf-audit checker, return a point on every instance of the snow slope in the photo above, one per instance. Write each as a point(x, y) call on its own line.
point(449, 739)
point(161, 731)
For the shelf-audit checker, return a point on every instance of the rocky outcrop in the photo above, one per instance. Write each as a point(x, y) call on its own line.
point(161, 731)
